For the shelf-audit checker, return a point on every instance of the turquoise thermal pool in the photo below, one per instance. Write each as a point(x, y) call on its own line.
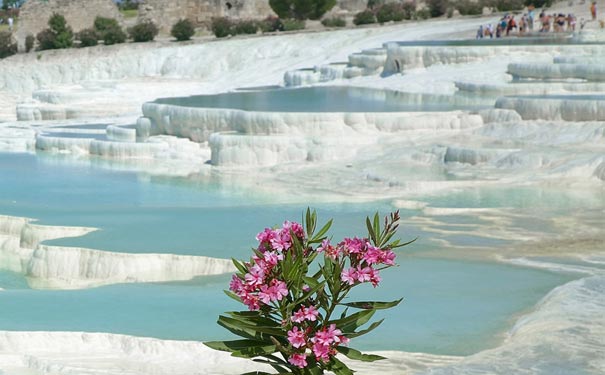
point(330, 99)
point(450, 305)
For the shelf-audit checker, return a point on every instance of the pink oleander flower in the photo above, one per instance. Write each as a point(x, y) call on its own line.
point(322, 352)
point(297, 337)
point(305, 313)
point(299, 316)
point(388, 257)
point(344, 340)
point(295, 227)
point(236, 284)
point(375, 278)
point(373, 255)
point(264, 239)
point(250, 300)
point(275, 292)
point(353, 245)
point(364, 274)
point(328, 335)
point(298, 360)
point(282, 241)
point(272, 258)
point(311, 313)
point(331, 251)
point(256, 276)
point(349, 276)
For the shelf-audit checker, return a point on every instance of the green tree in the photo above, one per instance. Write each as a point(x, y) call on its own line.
point(6, 4)
point(58, 35)
point(301, 9)
point(8, 46)
point(183, 30)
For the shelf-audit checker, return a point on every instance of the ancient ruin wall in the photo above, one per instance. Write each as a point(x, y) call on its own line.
point(80, 14)
point(166, 12)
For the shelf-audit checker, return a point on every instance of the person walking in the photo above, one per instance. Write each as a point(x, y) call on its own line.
point(593, 10)
point(10, 23)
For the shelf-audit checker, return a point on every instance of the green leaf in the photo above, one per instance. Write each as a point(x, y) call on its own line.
point(249, 331)
point(319, 236)
point(254, 351)
point(357, 355)
point(373, 305)
point(240, 267)
point(370, 230)
point(236, 345)
point(372, 327)
point(313, 290)
point(354, 321)
point(396, 244)
point(253, 318)
point(232, 295)
point(339, 368)
point(277, 366)
point(377, 228)
point(310, 221)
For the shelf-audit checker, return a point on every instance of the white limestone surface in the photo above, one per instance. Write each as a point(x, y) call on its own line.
point(591, 72)
point(531, 88)
point(198, 123)
point(401, 58)
point(59, 267)
point(582, 108)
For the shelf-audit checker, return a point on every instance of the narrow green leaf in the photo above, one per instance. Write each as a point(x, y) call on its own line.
point(235, 345)
point(396, 245)
point(253, 318)
point(370, 230)
point(253, 332)
point(240, 267)
point(254, 351)
point(339, 368)
point(354, 321)
point(232, 295)
point(373, 305)
point(319, 236)
point(357, 355)
point(377, 228)
point(372, 327)
point(276, 366)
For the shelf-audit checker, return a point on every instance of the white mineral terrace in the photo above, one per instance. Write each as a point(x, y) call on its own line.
point(514, 140)
point(57, 267)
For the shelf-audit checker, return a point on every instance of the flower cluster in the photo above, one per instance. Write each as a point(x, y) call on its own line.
point(322, 344)
point(363, 258)
point(262, 283)
point(300, 310)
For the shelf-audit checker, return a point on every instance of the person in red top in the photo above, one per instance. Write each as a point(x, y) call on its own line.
point(593, 10)
point(511, 25)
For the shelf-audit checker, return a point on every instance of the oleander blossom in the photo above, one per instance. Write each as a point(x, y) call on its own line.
point(261, 284)
point(296, 287)
point(298, 360)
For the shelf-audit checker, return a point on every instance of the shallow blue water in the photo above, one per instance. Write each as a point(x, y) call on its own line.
point(451, 307)
point(330, 99)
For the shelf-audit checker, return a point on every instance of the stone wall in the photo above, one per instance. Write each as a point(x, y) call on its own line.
point(80, 14)
point(166, 12)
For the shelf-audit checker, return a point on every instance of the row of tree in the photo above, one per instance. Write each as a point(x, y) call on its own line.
point(60, 35)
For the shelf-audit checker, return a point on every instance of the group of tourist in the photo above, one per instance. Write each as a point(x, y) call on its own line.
point(508, 24)
point(548, 22)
